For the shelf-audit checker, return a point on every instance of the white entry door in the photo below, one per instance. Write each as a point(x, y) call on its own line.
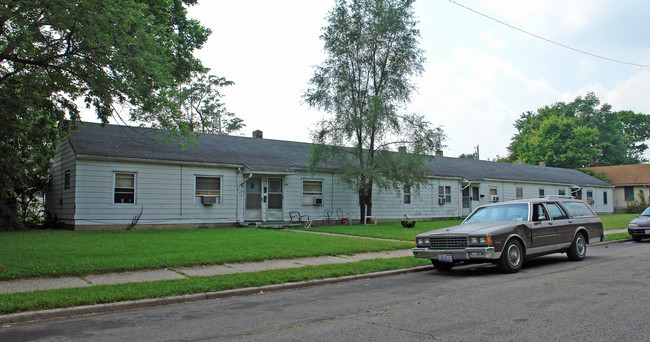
point(264, 199)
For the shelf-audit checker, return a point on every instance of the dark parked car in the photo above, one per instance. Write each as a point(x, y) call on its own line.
point(639, 228)
point(507, 233)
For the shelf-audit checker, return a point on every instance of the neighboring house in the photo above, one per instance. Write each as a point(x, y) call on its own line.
point(629, 181)
point(110, 178)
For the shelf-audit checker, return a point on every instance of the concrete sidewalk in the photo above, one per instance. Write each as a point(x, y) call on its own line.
point(33, 284)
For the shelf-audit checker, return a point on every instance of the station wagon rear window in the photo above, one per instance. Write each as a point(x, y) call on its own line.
point(579, 209)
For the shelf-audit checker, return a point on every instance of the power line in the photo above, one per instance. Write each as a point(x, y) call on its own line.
point(548, 40)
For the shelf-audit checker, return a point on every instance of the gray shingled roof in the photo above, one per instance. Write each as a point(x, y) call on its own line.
point(286, 156)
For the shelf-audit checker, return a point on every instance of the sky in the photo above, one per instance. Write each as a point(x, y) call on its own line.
point(480, 75)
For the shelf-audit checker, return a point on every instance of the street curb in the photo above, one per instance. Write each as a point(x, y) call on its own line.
point(146, 303)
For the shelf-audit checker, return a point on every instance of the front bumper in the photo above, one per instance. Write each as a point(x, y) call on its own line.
point(465, 254)
point(639, 231)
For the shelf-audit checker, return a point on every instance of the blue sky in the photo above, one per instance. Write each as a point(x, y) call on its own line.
point(479, 76)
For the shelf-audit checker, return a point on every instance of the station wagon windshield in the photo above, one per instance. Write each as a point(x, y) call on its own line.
point(507, 212)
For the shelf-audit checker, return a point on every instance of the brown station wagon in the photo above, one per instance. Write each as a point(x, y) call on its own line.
point(508, 233)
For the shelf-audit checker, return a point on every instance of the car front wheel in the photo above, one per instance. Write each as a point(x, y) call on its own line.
point(578, 248)
point(512, 257)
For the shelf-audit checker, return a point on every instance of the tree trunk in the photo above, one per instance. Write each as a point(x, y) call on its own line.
point(362, 205)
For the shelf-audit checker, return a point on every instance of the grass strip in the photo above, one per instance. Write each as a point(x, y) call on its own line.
point(617, 236)
point(58, 253)
point(63, 298)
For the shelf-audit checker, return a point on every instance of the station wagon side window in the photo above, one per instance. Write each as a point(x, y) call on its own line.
point(556, 212)
point(539, 212)
point(578, 209)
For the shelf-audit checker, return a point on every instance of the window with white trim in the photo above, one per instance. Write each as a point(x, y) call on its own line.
point(312, 192)
point(66, 179)
point(541, 193)
point(519, 192)
point(444, 192)
point(124, 190)
point(407, 194)
point(207, 187)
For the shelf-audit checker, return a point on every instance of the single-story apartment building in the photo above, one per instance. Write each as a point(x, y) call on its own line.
point(629, 181)
point(118, 176)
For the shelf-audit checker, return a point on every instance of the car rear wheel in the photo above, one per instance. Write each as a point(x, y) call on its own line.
point(578, 248)
point(512, 257)
point(442, 266)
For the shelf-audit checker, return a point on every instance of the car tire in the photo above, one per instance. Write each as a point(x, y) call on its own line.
point(578, 248)
point(442, 266)
point(512, 257)
point(637, 238)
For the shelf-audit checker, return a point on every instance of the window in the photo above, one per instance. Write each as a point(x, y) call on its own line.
point(629, 193)
point(124, 188)
point(275, 193)
point(519, 192)
point(541, 193)
point(539, 213)
point(207, 187)
point(561, 192)
point(604, 197)
point(407, 194)
point(444, 193)
point(66, 179)
point(579, 209)
point(556, 212)
point(312, 192)
point(590, 197)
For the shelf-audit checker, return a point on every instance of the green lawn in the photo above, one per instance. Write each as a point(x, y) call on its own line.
point(616, 221)
point(57, 253)
point(387, 230)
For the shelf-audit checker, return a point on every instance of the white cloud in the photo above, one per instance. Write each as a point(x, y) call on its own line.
point(586, 68)
point(494, 42)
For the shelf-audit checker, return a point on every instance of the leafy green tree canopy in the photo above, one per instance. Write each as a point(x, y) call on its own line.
point(193, 106)
point(55, 53)
point(580, 133)
point(364, 83)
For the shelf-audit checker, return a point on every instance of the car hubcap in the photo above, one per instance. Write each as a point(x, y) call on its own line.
point(514, 256)
point(580, 246)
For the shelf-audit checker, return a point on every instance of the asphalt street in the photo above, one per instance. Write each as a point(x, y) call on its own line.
point(603, 298)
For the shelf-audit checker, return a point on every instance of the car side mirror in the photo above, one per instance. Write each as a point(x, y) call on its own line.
point(541, 218)
point(638, 215)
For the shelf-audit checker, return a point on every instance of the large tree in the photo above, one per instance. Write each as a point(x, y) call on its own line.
point(364, 83)
point(580, 133)
point(194, 106)
point(54, 54)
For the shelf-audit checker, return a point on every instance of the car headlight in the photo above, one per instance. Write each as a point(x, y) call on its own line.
point(422, 241)
point(633, 225)
point(480, 240)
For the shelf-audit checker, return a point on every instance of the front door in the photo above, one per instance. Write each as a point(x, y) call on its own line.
point(254, 199)
point(467, 206)
point(264, 199)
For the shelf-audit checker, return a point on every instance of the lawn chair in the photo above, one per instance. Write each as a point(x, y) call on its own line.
point(327, 217)
point(296, 217)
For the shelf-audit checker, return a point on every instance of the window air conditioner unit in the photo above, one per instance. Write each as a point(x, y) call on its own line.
point(441, 201)
point(494, 198)
point(318, 201)
point(590, 201)
point(208, 200)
